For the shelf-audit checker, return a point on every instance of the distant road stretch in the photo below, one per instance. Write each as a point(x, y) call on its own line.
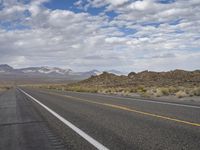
point(95, 121)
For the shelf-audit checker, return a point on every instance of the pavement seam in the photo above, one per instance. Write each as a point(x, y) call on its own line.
point(19, 123)
point(7, 107)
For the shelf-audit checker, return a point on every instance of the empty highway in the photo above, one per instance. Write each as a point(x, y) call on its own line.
point(44, 119)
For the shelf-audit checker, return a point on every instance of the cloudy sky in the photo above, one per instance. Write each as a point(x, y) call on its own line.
point(126, 35)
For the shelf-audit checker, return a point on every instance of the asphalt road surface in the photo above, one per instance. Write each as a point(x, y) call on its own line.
point(42, 119)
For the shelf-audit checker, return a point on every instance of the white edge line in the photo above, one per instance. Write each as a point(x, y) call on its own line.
point(143, 100)
point(69, 124)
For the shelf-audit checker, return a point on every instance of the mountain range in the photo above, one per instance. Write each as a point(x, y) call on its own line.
point(46, 74)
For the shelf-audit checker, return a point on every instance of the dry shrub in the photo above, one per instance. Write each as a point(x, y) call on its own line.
point(4, 88)
point(141, 89)
point(147, 94)
point(181, 94)
point(82, 89)
point(150, 92)
point(173, 90)
point(162, 92)
point(197, 91)
point(133, 90)
point(119, 90)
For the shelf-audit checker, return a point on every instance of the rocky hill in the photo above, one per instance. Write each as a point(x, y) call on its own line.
point(146, 78)
point(176, 83)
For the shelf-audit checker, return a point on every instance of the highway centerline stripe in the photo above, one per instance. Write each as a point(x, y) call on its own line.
point(88, 138)
point(148, 101)
point(128, 109)
point(156, 102)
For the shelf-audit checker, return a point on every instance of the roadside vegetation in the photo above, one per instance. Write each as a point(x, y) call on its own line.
point(177, 83)
point(143, 91)
point(4, 87)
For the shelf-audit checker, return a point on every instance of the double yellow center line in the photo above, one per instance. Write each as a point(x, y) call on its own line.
point(127, 109)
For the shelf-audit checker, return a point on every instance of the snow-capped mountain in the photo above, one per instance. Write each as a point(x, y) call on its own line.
point(97, 72)
point(116, 72)
point(87, 73)
point(6, 68)
point(49, 74)
point(46, 70)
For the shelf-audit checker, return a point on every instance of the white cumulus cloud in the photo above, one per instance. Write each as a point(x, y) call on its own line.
point(144, 34)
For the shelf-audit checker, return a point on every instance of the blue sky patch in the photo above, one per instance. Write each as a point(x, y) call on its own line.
point(95, 11)
point(127, 31)
point(62, 5)
point(13, 25)
point(27, 13)
point(69, 5)
point(1, 5)
point(154, 24)
point(175, 22)
point(179, 31)
point(166, 1)
point(111, 14)
point(24, 1)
